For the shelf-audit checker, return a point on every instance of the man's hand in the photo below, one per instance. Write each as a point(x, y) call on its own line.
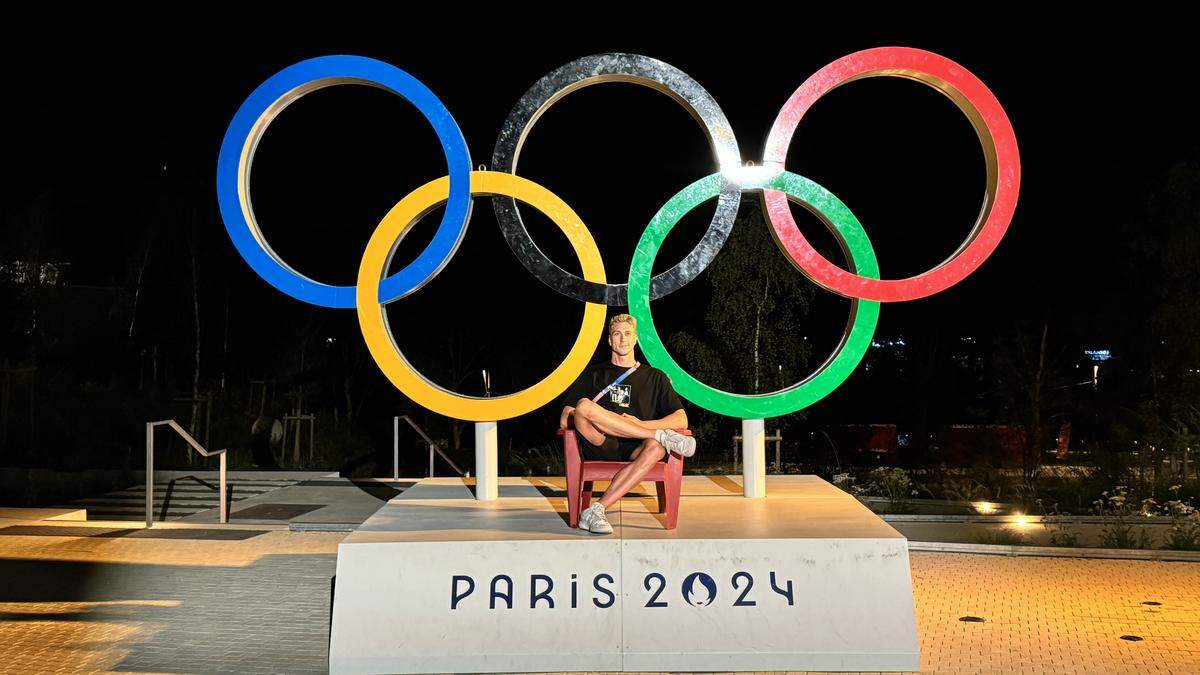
point(565, 418)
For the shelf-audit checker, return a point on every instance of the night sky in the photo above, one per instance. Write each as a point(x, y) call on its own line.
point(104, 119)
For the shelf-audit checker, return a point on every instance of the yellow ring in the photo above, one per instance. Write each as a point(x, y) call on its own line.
point(373, 320)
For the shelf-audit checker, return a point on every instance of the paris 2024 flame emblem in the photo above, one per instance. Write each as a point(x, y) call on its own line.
point(699, 589)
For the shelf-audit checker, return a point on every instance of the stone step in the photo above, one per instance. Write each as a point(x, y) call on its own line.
point(100, 502)
point(141, 508)
point(126, 494)
point(186, 498)
point(138, 515)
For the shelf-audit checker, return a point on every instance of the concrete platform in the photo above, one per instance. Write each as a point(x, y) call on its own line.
point(804, 579)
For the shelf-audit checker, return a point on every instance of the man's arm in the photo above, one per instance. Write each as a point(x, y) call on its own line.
point(676, 420)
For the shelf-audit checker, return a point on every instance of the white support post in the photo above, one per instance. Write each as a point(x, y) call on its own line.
point(224, 503)
point(487, 480)
point(754, 458)
point(149, 474)
point(396, 448)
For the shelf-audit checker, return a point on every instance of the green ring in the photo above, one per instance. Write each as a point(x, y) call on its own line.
point(860, 329)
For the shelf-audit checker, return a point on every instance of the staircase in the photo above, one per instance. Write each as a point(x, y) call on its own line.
point(183, 497)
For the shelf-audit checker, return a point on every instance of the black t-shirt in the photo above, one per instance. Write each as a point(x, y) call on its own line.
point(646, 394)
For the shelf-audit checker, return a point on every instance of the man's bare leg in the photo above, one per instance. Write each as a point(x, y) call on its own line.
point(609, 423)
point(644, 458)
point(587, 429)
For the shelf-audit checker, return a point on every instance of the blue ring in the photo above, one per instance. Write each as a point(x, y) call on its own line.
point(250, 123)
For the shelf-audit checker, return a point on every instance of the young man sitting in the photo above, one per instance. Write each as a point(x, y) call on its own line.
point(624, 411)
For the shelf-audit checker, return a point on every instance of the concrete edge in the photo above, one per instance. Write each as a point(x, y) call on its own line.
point(923, 501)
point(323, 527)
point(1056, 551)
point(1062, 520)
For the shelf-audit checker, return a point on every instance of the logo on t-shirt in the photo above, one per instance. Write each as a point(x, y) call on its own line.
point(620, 395)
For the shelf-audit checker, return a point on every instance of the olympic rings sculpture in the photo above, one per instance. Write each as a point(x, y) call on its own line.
point(861, 283)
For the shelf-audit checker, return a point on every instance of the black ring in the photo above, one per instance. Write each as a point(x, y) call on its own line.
point(635, 69)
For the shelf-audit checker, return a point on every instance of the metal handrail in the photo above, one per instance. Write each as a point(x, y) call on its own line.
point(428, 441)
point(777, 439)
point(224, 510)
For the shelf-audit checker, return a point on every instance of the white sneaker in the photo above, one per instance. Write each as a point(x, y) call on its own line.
point(594, 520)
point(676, 442)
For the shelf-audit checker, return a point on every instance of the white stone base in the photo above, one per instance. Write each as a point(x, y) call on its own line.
point(806, 579)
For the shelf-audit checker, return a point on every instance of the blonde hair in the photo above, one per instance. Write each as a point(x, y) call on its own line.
point(621, 318)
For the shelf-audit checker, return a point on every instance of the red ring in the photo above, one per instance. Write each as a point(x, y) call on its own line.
point(999, 147)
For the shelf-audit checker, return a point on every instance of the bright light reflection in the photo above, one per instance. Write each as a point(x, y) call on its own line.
point(750, 174)
point(984, 508)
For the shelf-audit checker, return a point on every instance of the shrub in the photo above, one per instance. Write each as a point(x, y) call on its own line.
point(1025, 491)
point(1059, 526)
point(965, 489)
point(540, 460)
point(1118, 512)
point(1184, 533)
point(1003, 537)
point(845, 483)
point(893, 484)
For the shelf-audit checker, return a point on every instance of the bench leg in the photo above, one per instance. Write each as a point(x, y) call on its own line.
point(585, 496)
point(672, 486)
point(572, 505)
point(574, 479)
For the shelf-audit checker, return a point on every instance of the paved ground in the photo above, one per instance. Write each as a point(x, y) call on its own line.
point(127, 602)
point(256, 600)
